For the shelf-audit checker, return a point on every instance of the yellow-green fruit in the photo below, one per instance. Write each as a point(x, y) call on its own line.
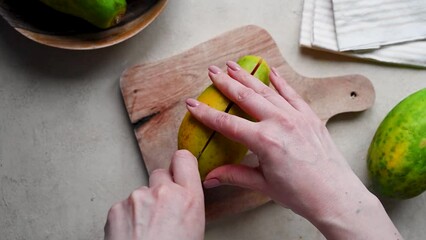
point(211, 148)
point(101, 13)
point(397, 154)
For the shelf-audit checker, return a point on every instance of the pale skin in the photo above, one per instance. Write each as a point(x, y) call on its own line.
point(300, 168)
point(172, 207)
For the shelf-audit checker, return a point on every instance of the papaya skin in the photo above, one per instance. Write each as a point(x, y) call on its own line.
point(101, 13)
point(397, 154)
point(220, 150)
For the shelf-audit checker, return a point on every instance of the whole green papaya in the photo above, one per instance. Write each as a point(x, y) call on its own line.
point(397, 154)
point(101, 13)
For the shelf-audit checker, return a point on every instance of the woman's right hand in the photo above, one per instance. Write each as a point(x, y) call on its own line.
point(298, 161)
point(300, 167)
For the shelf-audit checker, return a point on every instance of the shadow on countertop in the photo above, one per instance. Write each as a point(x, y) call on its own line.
point(62, 64)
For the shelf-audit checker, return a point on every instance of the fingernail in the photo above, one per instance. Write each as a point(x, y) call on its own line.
point(274, 71)
point(233, 66)
point(211, 183)
point(192, 102)
point(215, 70)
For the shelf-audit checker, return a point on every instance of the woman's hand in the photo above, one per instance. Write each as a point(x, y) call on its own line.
point(172, 207)
point(299, 165)
point(298, 160)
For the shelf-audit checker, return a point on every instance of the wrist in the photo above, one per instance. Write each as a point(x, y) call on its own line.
point(341, 217)
point(353, 215)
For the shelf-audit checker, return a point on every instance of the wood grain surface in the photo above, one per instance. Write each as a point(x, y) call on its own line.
point(154, 95)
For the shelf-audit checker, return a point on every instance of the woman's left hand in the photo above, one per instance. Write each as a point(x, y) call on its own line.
point(172, 207)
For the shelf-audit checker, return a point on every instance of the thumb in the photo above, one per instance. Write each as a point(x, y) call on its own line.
point(236, 175)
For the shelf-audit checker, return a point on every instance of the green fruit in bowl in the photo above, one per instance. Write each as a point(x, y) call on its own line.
point(397, 154)
point(101, 13)
point(211, 148)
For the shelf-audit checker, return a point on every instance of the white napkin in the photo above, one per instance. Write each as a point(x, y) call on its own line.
point(318, 31)
point(366, 24)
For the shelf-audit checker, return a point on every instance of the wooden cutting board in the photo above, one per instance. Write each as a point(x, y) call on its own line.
point(154, 95)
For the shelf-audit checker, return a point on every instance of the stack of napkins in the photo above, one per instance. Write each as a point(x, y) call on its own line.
point(392, 31)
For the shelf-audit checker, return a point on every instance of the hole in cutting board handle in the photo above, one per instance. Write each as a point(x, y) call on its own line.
point(354, 94)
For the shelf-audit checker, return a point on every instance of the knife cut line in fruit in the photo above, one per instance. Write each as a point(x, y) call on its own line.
point(213, 149)
point(227, 111)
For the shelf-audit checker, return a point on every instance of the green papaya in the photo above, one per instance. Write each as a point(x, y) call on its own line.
point(211, 148)
point(397, 155)
point(101, 13)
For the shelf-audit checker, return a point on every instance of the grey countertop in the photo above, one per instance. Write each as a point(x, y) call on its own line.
point(67, 149)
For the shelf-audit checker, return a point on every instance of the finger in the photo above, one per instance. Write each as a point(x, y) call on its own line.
point(116, 221)
point(160, 176)
point(236, 72)
point(288, 93)
point(138, 202)
point(184, 168)
point(246, 98)
point(236, 175)
point(232, 127)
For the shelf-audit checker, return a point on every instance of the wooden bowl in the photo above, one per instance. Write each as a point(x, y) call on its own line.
point(47, 26)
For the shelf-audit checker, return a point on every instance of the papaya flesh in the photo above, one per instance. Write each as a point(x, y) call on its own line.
point(211, 148)
point(101, 13)
point(397, 154)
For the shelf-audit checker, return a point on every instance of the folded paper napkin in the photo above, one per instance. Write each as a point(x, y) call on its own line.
point(349, 27)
